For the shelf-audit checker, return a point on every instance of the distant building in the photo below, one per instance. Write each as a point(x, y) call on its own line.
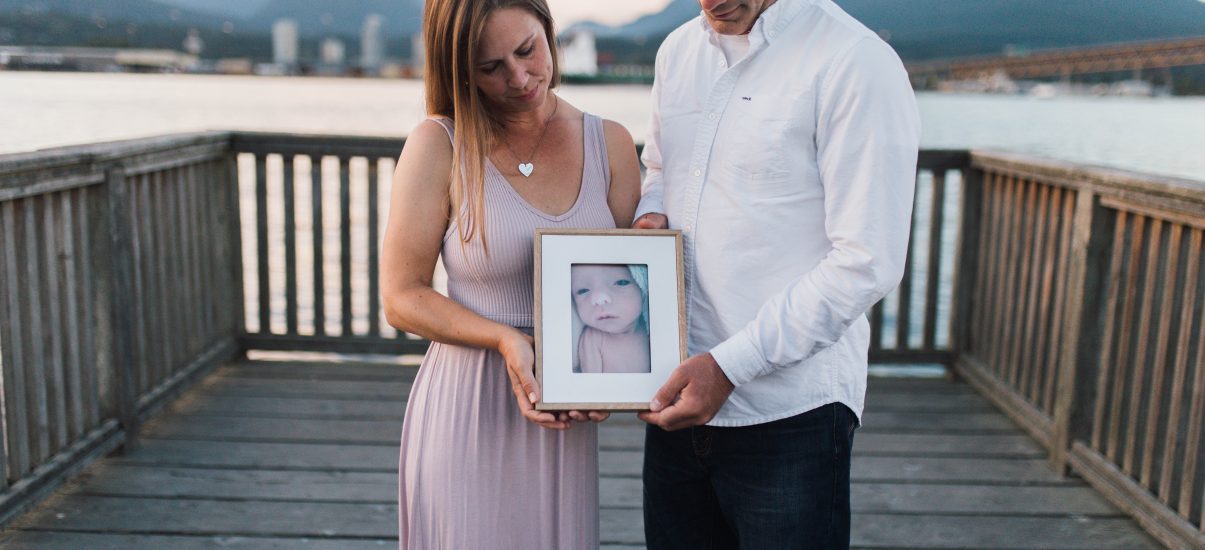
point(418, 54)
point(579, 56)
point(333, 52)
point(284, 42)
point(372, 47)
point(52, 58)
point(193, 43)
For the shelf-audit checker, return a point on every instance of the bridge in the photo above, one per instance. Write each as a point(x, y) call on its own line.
point(148, 288)
point(1131, 56)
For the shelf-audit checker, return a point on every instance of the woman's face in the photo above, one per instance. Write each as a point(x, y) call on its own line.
point(606, 297)
point(514, 66)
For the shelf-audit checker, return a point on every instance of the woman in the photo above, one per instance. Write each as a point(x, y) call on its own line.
point(502, 156)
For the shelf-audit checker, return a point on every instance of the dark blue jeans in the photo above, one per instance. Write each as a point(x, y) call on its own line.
point(782, 484)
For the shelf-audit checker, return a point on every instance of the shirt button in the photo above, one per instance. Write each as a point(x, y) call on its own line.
point(687, 228)
point(697, 172)
point(721, 64)
point(711, 116)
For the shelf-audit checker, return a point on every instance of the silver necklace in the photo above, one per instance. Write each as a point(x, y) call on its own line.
point(526, 168)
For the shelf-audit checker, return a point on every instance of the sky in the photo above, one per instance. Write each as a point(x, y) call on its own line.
point(608, 12)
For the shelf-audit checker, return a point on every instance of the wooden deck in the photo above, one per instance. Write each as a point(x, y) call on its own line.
point(303, 455)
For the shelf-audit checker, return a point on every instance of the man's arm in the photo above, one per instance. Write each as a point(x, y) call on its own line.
point(650, 213)
point(867, 138)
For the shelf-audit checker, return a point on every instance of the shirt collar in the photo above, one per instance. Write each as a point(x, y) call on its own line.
point(769, 24)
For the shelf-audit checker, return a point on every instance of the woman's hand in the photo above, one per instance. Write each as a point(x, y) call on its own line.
point(518, 350)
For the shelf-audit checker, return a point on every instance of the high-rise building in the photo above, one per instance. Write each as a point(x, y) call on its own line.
point(578, 55)
point(372, 47)
point(332, 51)
point(284, 42)
point(418, 54)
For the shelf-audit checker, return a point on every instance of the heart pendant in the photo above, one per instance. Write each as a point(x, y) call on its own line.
point(526, 169)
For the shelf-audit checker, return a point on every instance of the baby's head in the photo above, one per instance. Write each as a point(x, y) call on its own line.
point(610, 298)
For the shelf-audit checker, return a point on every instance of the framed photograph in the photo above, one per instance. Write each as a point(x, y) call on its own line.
point(609, 316)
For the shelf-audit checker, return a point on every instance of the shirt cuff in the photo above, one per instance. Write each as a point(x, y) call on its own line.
point(740, 359)
point(648, 205)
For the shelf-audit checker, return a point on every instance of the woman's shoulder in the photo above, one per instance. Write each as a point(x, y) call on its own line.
point(430, 137)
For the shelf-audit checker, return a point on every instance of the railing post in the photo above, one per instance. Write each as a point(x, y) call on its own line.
point(231, 218)
point(116, 295)
point(1080, 344)
point(966, 263)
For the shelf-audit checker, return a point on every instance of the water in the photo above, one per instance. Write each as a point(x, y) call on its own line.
point(39, 110)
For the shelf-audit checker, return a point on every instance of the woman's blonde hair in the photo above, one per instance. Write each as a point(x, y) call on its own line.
point(451, 31)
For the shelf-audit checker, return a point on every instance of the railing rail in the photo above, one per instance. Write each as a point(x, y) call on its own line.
point(1071, 296)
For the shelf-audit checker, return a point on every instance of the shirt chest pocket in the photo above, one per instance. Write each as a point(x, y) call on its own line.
point(768, 137)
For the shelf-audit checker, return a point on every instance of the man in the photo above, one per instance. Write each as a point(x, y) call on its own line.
point(783, 145)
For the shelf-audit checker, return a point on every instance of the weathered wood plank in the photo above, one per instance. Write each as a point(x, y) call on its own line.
point(890, 469)
point(74, 364)
point(911, 498)
point(903, 305)
point(963, 531)
point(341, 457)
point(164, 338)
point(130, 480)
point(620, 526)
point(1158, 372)
point(374, 247)
point(212, 517)
point(261, 244)
point(1180, 371)
point(1125, 329)
point(1105, 373)
point(60, 540)
point(35, 374)
point(1137, 388)
point(933, 271)
point(91, 206)
point(345, 311)
point(290, 244)
point(1031, 374)
point(52, 322)
point(16, 460)
point(146, 281)
point(318, 371)
point(319, 262)
point(332, 389)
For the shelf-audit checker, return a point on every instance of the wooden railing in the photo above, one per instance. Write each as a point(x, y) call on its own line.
point(116, 289)
point(1071, 297)
point(1081, 315)
point(314, 209)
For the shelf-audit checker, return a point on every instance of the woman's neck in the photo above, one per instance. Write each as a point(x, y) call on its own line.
point(532, 121)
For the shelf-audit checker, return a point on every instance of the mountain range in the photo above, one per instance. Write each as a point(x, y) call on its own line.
point(918, 29)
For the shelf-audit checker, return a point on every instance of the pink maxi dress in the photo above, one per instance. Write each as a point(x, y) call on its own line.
point(474, 474)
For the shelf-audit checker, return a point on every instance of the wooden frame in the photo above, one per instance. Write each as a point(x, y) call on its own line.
point(564, 386)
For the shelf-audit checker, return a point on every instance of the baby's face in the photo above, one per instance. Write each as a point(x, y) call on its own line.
point(606, 297)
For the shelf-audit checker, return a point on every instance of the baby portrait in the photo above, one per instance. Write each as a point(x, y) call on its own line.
point(610, 318)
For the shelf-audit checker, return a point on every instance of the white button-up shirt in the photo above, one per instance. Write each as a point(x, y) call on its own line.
point(791, 175)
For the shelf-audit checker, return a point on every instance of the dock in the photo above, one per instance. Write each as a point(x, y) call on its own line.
point(149, 288)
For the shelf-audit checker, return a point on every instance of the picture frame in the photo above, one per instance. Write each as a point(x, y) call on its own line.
point(609, 316)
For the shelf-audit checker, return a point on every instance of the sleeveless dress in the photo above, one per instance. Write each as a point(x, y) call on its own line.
point(473, 473)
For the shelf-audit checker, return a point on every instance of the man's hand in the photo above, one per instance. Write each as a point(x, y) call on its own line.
point(694, 392)
point(651, 220)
